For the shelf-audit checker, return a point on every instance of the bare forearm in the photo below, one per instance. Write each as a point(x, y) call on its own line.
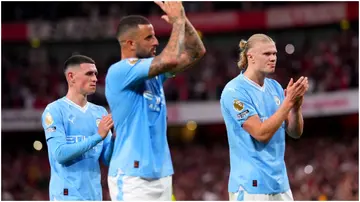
point(269, 127)
point(194, 48)
point(176, 42)
point(170, 56)
point(295, 123)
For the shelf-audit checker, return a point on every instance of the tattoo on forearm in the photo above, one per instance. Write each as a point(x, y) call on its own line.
point(193, 43)
point(176, 41)
point(173, 50)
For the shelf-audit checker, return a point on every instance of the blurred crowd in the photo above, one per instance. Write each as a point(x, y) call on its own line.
point(319, 168)
point(55, 10)
point(35, 79)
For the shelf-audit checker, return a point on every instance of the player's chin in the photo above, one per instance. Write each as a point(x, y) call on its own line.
point(271, 70)
point(91, 90)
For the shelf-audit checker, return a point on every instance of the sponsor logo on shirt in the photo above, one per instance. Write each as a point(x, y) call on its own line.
point(148, 95)
point(51, 129)
point(71, 119)
point(243, 114)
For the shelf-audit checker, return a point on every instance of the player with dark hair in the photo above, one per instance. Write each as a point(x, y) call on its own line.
point(141, 166)
point(77, 134)
point(257, 113)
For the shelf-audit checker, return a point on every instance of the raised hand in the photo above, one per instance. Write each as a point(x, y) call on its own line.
point(295, 92)
point(174, 11)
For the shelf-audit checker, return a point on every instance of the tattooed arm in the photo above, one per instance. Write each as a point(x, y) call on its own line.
point(194, 49)
point(184, 47)
point(169, 58)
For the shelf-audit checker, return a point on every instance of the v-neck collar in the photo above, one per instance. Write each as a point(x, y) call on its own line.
point(251, 82)
point(82, 109)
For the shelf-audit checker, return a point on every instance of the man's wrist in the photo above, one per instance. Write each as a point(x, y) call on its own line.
point(296, 110)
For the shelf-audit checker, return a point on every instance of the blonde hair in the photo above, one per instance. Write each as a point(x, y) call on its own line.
point(246, 45)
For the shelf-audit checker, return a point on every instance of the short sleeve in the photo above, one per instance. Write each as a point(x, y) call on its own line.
point(238, 105)
point(131, 71)
point(52, 122)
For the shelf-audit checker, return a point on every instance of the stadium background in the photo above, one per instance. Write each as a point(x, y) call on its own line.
point(318, 40)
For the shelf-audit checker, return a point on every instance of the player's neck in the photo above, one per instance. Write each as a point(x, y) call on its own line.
point(126, 54)
point(256, 77)
point(77, 98)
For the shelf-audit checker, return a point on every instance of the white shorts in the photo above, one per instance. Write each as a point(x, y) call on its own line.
point(130, 188)
point(242, 195)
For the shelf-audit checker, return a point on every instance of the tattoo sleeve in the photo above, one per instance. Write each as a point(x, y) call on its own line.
point(194, 48)
point(170, 56)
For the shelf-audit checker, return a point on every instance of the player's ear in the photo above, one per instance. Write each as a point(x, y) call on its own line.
point(70, 77)
point(250, 58)
point(131, 44)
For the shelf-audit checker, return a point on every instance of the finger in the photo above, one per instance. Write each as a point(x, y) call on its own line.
point(105, 118)
point(302, 91)
point(110, 124)
point(298, 83)
point(108, 120)
point(300, 80)
point(300, 87)
point(160, 4)
point(166, 18)
point(305, 81)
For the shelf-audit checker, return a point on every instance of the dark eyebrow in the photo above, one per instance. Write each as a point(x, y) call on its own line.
point(270, 52)
point(149, 36)
point(91, 72)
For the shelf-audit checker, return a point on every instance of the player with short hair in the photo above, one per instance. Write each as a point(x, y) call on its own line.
point(141, 167)
point(77, 134)
point(256, 113)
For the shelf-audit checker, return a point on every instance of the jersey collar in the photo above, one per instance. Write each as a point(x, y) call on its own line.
point(82, 109)
point(249, 81)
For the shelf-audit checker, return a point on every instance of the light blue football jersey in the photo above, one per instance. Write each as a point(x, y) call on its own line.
point(74, 149)
point(257, 167)
point(138, 106)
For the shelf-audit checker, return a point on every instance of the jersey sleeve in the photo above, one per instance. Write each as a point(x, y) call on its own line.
point(238, 105)
point(52, 122)
point(107, 146)
point(131, 71)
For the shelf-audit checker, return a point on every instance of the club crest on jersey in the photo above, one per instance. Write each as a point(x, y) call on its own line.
point(238, 106)
point(132, 61)
point(48, 119)
point(98, 122)
point(277, 100)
